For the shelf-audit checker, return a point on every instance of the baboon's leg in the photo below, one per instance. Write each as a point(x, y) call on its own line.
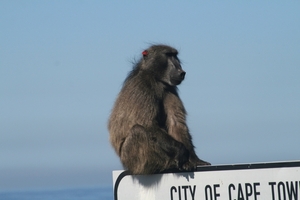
point(152, 151)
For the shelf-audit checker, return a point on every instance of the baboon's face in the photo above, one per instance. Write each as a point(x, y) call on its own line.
point(174, 74)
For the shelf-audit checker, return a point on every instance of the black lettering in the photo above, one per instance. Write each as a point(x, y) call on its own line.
point(230, 187)
point(256, 193)
point(272, 188)
point(249, 190)
point(281, 184)
point(184, 188)
point(173, 189)
point(193, 192)
point(292, 191)
point(208, 189)
point(216, 195)
point(240, 193)
point(179, 193)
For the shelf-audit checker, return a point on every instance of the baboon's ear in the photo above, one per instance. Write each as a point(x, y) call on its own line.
point(145, 53)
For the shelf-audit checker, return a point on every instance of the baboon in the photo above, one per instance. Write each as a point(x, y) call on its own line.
point(148, 122)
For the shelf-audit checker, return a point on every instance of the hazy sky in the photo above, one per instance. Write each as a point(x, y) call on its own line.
point(62, 64)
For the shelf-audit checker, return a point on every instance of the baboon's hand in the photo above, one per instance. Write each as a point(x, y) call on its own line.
point(202, 163)
point(189, 166)
point(192, 165)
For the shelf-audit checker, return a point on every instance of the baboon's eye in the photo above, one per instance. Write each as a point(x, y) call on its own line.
point(170, 54)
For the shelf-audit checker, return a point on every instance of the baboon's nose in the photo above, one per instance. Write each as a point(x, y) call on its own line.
point(182, 75)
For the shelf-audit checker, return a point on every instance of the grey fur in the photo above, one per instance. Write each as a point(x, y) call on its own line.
point(148, 122)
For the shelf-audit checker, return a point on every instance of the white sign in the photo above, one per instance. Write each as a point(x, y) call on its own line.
point(261, 181)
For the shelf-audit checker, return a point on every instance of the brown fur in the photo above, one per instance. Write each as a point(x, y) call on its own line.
point(148, 122)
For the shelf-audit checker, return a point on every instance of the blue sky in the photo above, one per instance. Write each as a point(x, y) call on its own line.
point(62, 64)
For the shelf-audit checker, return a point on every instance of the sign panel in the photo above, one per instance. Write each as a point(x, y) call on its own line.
point(261, 181)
